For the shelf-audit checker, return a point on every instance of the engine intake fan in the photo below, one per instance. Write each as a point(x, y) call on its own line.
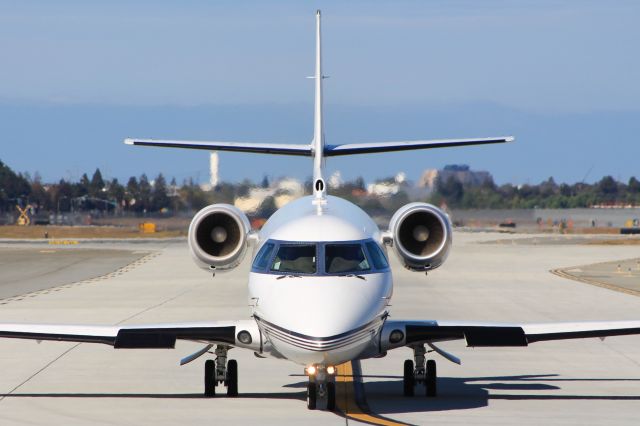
point(218, 237)
point(421, 236)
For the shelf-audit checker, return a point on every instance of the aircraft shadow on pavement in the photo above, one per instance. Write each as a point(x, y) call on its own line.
point(104, 395)
point(384, 393)
point(460, 393)
point(301, 396)
point(297, 385)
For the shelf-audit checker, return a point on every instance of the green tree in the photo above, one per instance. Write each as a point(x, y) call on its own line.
point(96, 185)
point(159, 197)
point(13, 188)
point(39, 197)
point(115, 191)
point(63, 197)
point(82, 187)
point(608, 189)
point(144, 194)
point(132, 193)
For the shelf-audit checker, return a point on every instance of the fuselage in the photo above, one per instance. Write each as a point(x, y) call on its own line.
point(320, 282)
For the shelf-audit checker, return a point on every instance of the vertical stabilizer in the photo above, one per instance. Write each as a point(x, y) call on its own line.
point(317, 148)
point(319, 185)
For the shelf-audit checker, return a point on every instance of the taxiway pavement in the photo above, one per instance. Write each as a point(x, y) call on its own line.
point(25, 270)
point(571, 382)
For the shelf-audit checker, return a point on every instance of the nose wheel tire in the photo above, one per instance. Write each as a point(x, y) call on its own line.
point(408, 381)
point(209, 378)
point(331, 396)
point(431, 379)
point(232, 378)
point(213, 376)
point(311, 396)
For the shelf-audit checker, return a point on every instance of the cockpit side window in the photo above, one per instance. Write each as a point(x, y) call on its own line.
point(377, 256)
point(345, 258)
point(299, 258)
point(263, 256)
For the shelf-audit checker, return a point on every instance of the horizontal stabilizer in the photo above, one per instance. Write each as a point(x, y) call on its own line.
point(375, 147)
point(306, 150)
point(259, 148)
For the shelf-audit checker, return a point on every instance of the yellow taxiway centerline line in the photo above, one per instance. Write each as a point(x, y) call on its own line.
point(346, 399)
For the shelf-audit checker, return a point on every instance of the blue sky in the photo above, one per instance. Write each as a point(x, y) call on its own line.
point(77, 77)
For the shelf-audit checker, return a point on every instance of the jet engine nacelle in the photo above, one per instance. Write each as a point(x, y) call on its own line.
point(421, 236)
point(218, 237)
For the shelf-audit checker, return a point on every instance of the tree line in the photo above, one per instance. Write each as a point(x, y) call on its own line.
point(143, 195)
point(137, 195)
point(548, 194)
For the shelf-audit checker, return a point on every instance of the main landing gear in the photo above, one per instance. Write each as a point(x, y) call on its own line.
point(221, 371)
point(321, 386)
point(420, 371)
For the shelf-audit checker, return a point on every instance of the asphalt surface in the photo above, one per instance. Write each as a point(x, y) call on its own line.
point(620, 275)
point(566, 239)
point(565, 382)
point(26, 270)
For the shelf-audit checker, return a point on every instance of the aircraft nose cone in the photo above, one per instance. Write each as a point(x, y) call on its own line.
point(324, 306)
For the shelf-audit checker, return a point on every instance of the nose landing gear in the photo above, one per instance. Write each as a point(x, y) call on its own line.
point(221, 371)
point(312, 395)
point(420, 371)
point(321, 386)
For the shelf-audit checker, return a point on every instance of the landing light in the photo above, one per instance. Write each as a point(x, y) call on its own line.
point(311, 370)
point(244, 337)
point(396, 336)
point(331, 370)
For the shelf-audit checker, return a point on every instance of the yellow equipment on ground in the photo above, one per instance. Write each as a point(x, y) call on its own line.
point(147, 227)
point(24, 219)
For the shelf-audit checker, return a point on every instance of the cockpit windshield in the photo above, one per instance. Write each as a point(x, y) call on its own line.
point(344, 258)
point(295, 258)
point(320, 258)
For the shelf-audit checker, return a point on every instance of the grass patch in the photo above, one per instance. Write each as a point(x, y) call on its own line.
point(69, 232)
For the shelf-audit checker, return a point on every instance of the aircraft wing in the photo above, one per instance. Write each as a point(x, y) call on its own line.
point(374, 147)
point(493, 335)
point(259, 148)
point(150, 336)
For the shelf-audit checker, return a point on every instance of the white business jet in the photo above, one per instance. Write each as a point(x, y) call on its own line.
point(320, 282)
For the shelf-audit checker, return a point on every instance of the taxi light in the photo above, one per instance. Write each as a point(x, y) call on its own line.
point(311, 370)
point(331, 370)
point(396, 336)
